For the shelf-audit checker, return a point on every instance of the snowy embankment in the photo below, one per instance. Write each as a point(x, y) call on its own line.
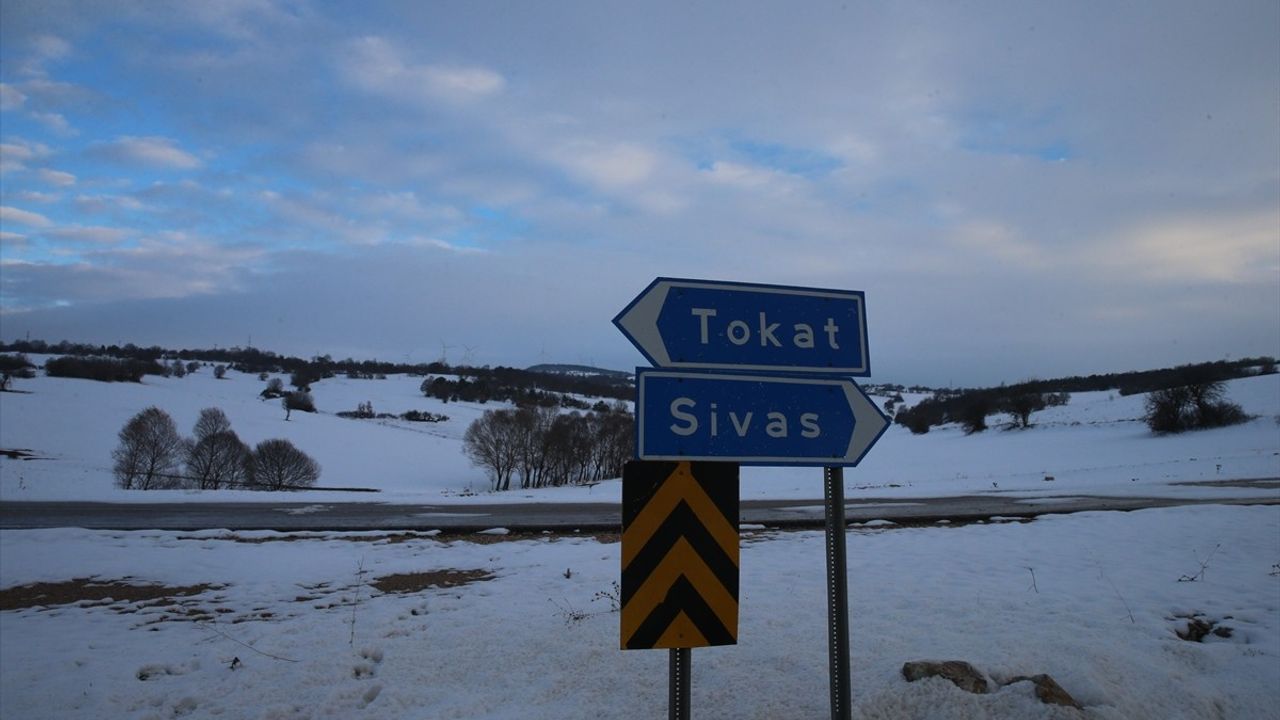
point(296, 627)
point(1097, 444)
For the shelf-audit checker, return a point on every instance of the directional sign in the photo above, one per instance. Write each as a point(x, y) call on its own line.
point(754, 419)
point(709, 325)
point(679, 555)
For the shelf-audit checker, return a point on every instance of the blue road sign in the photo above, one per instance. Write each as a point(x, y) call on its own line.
point(710, 325)
point(754, 419)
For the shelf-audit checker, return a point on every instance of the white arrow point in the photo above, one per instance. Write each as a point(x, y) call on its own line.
point(641, 323)
point(868, 422)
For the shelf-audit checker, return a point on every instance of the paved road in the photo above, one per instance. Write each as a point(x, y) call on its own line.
point(287, 516)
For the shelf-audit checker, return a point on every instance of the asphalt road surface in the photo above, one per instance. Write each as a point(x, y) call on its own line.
point(302, 515)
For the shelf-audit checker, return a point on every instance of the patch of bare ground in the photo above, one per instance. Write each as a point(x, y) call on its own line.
point(410, 536)
point(518, 535)
point(417, 582)
point(93, 592)
point(20, 454)
point(389, 538)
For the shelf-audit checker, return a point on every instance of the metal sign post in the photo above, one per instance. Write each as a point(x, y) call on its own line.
point(753, 374)
point(678, 693)
point(837, 594)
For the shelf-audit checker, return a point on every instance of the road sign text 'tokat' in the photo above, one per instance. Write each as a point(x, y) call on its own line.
point(710, 325)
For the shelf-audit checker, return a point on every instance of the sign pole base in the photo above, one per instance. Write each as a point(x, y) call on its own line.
point(837, 594)
point(678, 694)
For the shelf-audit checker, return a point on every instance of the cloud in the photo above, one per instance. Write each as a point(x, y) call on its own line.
point(443, 245)
point(50, 47)
point(56, 177)
point(749, 177)
point(104, 203)
point(15, 155)
point(43, 49)
point(376, 66)
point(56, 122)
point(11, 98)
point(94, 234)
point(317, 217)
point(407, 205)
point(894, 148)
point(608, 165)
point(997, 241)
point(40, 197)
point(1241, 248)
point(10, 241)
point(153, 151)
point(46, 95)
point(166, 266)
point(23, 217)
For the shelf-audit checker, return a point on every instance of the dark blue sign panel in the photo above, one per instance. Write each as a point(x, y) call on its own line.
point(754, 419)
point(709, 325)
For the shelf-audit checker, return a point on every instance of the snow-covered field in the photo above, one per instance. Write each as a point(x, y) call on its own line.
point(305, 626)
point(1096, 444)
point(293, 628)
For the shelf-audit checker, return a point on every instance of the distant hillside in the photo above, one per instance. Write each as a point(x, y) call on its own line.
point(585, 370)
point(1022, 399)
point(541, 384)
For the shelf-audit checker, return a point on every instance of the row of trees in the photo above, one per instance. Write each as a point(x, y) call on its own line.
point(482, 390)
point(365, 411)
point(114, 369)
point(545, 447)
point(972, 408)
point(104, 369)
point(152, 455)
point(1194, 402)
point(578, 381)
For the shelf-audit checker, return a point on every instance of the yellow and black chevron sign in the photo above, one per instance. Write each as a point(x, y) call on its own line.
point(679, 554)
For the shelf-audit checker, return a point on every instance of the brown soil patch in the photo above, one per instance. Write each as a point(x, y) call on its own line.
point(93, 591)
point(442, 535)
point(20, 454)
point(417, 582)
point(390, 538)
point(518, 535)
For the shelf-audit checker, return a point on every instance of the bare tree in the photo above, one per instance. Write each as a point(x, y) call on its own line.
point(549, 448)
point(212, 420)
point(149, 453)
point(1022, 405)
point(490, 443)
point(278, 465)
point(12, 366)
point(1198, 404)
point(219, 371)
point(530, 437)
point(218, 460)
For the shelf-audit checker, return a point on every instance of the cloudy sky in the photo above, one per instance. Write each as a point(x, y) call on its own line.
point(1022, 189)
